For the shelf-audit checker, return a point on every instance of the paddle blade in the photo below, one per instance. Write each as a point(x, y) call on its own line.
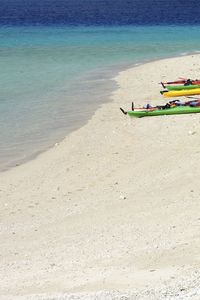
point(163, 85)
point(124, 112)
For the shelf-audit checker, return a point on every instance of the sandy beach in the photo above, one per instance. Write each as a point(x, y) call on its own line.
point(112, 211)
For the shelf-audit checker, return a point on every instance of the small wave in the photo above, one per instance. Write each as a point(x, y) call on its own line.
point(184, 53)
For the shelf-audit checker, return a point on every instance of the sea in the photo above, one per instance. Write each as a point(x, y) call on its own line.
point(58, 59)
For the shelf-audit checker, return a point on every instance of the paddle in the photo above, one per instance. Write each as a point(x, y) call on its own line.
point(124, 112)
point(193, 97)
point(162, 85)
point(162, 92)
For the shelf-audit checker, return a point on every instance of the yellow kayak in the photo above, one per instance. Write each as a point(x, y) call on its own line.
point(181, 93)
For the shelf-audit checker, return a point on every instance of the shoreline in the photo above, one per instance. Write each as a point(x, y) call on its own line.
point(117, 69)
point(112, 207)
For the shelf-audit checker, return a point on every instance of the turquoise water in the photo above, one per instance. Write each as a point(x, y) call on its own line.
point(53, 78)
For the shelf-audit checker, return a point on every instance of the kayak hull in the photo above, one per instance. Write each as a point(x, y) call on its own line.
point(159, 112)
point(181, 93)
point(182, 87)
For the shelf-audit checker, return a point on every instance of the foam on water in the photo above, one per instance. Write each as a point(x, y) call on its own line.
point(53, 78)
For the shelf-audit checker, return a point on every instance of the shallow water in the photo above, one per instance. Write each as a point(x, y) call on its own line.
point(53, 78)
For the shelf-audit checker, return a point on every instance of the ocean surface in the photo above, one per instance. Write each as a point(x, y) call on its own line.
point(99, 12)
point(58, 58)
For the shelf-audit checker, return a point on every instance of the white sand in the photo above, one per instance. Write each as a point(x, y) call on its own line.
point(113, 211)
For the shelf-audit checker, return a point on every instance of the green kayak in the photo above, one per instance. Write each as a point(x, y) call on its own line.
point(159, 112)
point(182, 87)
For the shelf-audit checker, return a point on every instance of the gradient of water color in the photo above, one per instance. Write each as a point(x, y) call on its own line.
point(53, 78)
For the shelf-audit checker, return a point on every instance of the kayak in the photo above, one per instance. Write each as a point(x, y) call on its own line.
point(182, 87)
point(159, 112)
point(180, 93)
point(182, 81)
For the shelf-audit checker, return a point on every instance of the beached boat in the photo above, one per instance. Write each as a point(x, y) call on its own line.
point(182, 81)
point(181, 93)
point(182, 87)
point(159, 112)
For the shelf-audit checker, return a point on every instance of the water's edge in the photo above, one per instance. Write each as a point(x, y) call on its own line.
point(109, 85)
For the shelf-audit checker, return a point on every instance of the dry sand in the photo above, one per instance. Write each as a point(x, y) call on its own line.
point(113, 211)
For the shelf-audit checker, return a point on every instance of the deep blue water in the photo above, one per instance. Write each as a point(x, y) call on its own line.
point(99, 12)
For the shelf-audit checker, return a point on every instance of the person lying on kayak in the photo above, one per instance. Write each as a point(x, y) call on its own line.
point(191, 103)
point(194, 103)
point(188, 82)
point(175, 103)
point(147, 106)
point(166, 106)
point(171, 104)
